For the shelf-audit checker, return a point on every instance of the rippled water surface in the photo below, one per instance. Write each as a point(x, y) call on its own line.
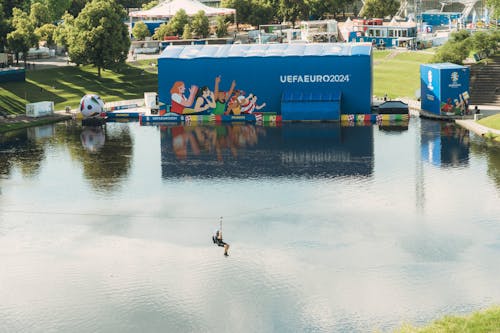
point(332, 228)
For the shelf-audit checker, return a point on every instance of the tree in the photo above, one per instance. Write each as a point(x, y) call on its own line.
point(76, 7)
point(221, 26)
point(39, 14)
point(162, 31)
point(380, 8)
point(485, 43)
point(57, 8)
point(9, 5)
point(4, 28)
point(187, 34)
point(319, 8)
point(243, 9)
point(178, 21)
point(99, 36)
point(62, 34)
point(46, 32)
point(262, 13)
point(454, 52)
point(199, 24)
point(149, 5)
point(495, 5)
point(23, 36)
point(132, 3)
point(140, 31)
point(459, 36)
point(293, 10)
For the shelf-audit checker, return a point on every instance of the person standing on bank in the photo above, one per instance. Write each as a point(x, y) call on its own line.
point(217, 239)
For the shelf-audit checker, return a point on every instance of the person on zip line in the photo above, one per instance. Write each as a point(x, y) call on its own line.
point(217, 239)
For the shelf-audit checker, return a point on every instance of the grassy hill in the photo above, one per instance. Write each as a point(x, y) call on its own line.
point(397, 74)
point(66, 85)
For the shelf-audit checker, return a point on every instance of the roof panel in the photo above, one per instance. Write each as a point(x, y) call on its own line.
point(266, 50)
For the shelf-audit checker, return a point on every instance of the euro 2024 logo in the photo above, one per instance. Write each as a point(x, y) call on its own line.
point(454, 80)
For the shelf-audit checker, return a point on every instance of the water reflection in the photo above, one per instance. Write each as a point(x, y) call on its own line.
point(444, 144)
point(21, 149)
point(244, 150)
point(41, 133)
point(93, 138)
point(323, 251)
point(492, 155)
point(104, 152)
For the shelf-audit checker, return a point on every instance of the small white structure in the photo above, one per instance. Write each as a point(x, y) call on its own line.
point(319, 31)
point(151, 104)
point(4, 60)
point(150, 99)
point(39, 109)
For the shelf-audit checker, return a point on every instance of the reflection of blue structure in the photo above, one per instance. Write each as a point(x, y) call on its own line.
point(271, 70)
point(444, 87)
point(444, 144)
point(300, 149)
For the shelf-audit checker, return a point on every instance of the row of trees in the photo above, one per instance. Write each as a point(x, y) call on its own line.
point(462, 43)
point(182, 25)
point(97, 35)
point(256, 12)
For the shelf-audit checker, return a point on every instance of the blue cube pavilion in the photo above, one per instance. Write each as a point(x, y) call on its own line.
point(444, 88)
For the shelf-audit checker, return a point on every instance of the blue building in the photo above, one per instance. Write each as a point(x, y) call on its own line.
point(315, 81)
point(444, 88)
point(441, 18)
point(383, 34)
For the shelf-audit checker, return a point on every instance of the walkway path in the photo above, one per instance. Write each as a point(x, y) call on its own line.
point(476, 127)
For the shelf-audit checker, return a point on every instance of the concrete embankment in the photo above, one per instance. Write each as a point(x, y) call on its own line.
point(475, 127)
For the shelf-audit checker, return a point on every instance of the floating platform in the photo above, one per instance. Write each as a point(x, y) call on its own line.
point(392, 107)
point(444, 117)
point(374, 118)
point(263, 118)
point(125, 114)
point(210, 118)
point(95, 121)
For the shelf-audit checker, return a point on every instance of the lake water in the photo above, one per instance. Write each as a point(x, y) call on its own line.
point(332, 228)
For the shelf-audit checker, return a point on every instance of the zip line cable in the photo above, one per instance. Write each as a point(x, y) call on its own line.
point(240, 214)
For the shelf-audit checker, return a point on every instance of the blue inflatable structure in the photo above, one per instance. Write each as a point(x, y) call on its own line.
point(295, 81)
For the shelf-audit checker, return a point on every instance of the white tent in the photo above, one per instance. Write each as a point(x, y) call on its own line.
point(168, 8)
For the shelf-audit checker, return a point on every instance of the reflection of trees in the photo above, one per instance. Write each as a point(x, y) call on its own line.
point(106, 166)
point(492, 155)
point(16, 150)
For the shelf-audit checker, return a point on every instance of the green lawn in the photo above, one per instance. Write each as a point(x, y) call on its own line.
point(487, 321)
point(377, 55)
point(398, 76)
point(66, 85)
point(491, 121)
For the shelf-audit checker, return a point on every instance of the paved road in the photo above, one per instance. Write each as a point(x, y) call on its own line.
point(59, 61)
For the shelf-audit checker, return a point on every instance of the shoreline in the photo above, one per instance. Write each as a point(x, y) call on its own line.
point(18, 122)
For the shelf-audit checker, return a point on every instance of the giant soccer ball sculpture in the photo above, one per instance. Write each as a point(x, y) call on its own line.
point(91, 106)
